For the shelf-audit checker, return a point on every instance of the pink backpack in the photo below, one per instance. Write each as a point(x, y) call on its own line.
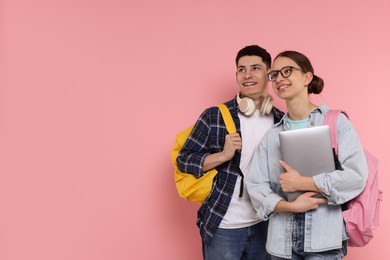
point(362, 214)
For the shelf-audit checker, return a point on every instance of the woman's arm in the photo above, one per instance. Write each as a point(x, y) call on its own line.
point(303, 203)
point(341, 186)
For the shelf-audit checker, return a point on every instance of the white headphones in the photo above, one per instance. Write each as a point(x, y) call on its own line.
point(247, 105)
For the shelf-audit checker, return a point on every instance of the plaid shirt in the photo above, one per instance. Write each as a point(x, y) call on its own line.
point(207, 137)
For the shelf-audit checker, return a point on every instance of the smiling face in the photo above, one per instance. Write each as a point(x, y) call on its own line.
point(294, 85)
point(251, 77)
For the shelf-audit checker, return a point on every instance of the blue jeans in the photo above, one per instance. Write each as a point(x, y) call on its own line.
point(238, 244)
point(298, 235)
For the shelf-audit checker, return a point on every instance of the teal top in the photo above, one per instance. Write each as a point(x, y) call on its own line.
point(298, 124)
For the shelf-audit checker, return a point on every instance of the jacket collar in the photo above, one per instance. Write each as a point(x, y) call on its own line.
point(323, 109)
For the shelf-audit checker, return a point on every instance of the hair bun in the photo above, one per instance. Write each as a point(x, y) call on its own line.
point(316, 85)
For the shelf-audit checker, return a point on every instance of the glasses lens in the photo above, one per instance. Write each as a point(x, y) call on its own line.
point(272, 75)
point(286, 71)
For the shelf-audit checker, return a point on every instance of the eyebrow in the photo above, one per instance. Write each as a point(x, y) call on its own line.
point(253, 65)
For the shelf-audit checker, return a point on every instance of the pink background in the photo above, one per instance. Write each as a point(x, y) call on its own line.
point(92, 93)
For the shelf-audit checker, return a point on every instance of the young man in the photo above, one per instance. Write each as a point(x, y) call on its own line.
point(229, 226)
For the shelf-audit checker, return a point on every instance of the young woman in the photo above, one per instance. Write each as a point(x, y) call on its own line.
point(309, 227)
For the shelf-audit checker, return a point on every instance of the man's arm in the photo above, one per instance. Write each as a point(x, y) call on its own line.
point(232, 144)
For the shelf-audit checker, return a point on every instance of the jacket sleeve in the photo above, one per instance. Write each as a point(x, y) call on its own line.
point(196, 148)
point(343, 185)
point(258, 183)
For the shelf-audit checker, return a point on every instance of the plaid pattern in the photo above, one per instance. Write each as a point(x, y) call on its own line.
point(207, 137)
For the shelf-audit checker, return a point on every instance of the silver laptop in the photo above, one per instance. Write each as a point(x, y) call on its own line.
point(308, 151)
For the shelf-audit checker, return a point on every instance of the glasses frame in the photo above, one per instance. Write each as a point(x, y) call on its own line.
point(281, 73)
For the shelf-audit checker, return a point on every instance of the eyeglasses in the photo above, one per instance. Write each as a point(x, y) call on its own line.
point(285, 72)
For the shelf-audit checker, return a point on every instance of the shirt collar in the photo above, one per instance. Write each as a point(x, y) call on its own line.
point(323, 109)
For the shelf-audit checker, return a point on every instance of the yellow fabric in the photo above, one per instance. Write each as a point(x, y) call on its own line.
point(188, 186)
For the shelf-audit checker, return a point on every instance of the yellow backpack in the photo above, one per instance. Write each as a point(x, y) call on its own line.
point(188, 186)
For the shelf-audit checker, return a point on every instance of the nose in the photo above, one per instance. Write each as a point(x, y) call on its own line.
point(279, 76)
point(248, 74)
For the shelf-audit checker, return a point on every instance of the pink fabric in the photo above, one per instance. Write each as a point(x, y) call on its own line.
point(362, 214)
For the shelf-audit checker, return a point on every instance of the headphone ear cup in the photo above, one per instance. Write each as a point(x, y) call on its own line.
point(247, 106)
point(266, 105)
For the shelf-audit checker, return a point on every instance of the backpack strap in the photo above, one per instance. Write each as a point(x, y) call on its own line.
point(227, 118)
point(231, 128)
point(331, 120)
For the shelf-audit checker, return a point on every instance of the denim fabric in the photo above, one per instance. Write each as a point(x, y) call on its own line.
point(238, 244)
point(324, 227)
point(298, 242)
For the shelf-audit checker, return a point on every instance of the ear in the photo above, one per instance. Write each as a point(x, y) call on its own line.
point(308, 78)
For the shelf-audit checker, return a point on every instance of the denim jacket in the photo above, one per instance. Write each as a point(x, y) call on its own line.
point(324, 226)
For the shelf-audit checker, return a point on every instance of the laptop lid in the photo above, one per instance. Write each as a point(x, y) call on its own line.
point(308, 151)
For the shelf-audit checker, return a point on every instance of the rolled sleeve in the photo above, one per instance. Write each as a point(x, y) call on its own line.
point(341, 186)
point(194, 151)
point(191, 162)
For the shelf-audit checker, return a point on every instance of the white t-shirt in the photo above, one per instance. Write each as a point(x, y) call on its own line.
point(240, 212)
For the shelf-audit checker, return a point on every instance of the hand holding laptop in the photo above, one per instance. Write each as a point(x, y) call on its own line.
point(307, 201)
point(307, 151)
point(292, 181)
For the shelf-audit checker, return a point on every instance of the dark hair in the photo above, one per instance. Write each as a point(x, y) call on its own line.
point(255, 50)
point(317, 84)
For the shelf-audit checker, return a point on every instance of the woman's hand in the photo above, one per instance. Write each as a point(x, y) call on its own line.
point(306, 202)
point(289, 180)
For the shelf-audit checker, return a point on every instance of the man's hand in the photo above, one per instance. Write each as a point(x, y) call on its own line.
point(232, 144)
